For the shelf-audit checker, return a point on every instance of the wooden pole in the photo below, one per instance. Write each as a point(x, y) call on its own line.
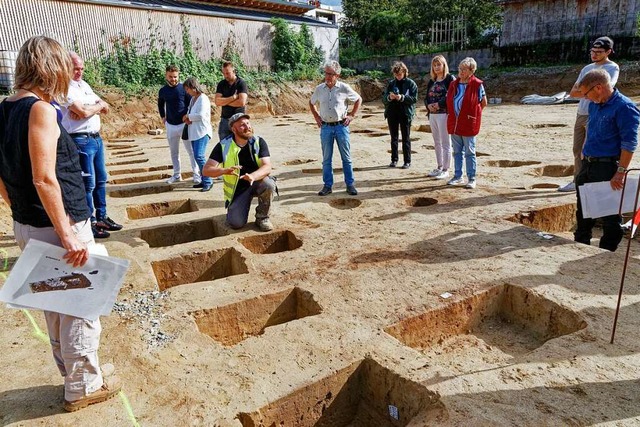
point(626, 256)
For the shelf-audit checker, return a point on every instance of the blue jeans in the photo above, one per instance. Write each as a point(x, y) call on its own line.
point(94, 173)
point(468, 144)
point(199, 147)
point(340, 134)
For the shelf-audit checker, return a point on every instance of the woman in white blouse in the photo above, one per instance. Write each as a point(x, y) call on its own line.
point(198, 120)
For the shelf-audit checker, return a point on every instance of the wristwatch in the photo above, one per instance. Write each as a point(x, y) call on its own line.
point(621, 169)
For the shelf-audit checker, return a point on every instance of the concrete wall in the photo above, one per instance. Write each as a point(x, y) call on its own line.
point(88, 26)
point(418, 64)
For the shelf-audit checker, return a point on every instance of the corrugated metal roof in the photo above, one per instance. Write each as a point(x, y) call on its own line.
point(286, 6)
point(208, 9)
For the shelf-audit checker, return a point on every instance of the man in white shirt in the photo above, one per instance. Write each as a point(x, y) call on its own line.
point(601, 48)
point(81, 118)
point(333, 119)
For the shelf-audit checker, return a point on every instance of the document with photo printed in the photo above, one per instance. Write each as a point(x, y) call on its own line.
point(42, 279)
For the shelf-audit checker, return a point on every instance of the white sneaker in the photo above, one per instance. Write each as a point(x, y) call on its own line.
point(455, 181)
point(442, 175)
point(434, 172)
point(174, 178)
point(569, 188)
point(471, 184)
point(197, 180)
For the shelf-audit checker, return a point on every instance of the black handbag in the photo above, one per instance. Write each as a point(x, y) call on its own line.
point(185, 132)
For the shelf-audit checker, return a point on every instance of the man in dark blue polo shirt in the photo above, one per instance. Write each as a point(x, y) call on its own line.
point(173, 103)
point(612, 137)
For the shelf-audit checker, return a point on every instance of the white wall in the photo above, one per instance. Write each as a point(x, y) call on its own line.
point(89, 25)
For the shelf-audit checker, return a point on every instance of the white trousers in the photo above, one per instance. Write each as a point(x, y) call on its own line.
point(174, 135)
point(74, 341)
point(441, 140)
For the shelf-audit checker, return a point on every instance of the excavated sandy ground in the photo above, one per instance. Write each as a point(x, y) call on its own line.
point(339, 312)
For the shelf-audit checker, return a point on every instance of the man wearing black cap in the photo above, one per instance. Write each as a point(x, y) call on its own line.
point(244, 162)
point(601, 48)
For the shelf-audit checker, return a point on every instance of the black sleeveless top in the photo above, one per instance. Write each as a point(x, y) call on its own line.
point(15, 168)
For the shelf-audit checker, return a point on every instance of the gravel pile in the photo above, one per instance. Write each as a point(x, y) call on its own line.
point(146, 307)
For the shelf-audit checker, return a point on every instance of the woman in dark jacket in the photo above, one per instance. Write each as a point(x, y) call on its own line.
point(436, 103)
point(399, 101)
point(41, 180)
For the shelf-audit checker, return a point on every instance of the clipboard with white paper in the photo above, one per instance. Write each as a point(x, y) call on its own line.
point(42, 279)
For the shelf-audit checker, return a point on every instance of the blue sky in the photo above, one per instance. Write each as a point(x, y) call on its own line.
point(331, 2)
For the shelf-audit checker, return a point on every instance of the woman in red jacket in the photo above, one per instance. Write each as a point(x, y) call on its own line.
point(466, 99)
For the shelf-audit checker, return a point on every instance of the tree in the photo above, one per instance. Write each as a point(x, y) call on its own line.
point(294, 52)
point(481, 15)
point(358, 12)
point(385, 28)
point(312, 55)
point(286, 47)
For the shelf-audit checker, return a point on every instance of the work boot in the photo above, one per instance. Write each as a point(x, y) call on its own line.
point(110, 388)
point(325, 190)
point(264, 224)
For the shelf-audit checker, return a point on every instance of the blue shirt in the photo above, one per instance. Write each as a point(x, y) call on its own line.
point(612, 127)
point(173, 103)
point(459, 96)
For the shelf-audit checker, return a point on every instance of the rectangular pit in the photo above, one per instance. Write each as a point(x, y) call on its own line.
point(512, 318)
point(271, 243)
point(183, 232)
point(234, 323)
point(140, 191)
point(199, 267)
point(357, 396)
point(554, 219)
point(139, 178)
point(140, 170)
point(127, 162)
point(152, 210)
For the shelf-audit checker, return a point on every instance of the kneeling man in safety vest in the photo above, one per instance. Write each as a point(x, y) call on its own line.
point(243, 161)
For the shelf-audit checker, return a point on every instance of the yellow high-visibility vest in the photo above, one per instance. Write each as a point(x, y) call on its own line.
point(230, 158)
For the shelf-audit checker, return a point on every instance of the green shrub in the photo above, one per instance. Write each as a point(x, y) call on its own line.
point(347, 72)
point(121, 65)
point(376, 74)
point(295, 52)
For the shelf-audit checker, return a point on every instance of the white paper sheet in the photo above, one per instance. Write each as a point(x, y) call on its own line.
point(598, 199)
point(39, 262)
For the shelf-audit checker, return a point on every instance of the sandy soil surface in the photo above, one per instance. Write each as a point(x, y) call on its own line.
point(411, 304)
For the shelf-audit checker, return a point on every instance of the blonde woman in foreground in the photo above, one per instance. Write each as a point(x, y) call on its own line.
point(41, 180)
